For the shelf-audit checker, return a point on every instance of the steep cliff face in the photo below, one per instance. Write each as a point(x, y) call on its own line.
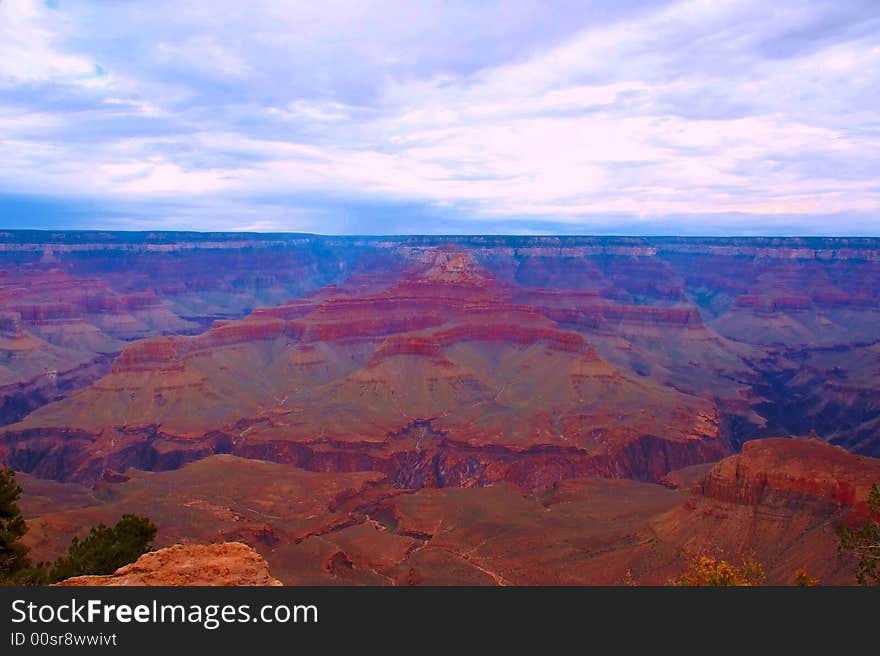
point(780, 501)
point(225, 564)
point(791, 469)
point(438, 361)
point(71, 301)
point(437, 377)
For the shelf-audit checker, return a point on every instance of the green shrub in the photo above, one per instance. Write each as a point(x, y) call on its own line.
point(106, 549)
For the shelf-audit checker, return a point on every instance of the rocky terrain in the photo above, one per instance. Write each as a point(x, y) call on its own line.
point(228, 563)
point(438, 377)
point(778, 501)
point(69, 302)
point(420, 409)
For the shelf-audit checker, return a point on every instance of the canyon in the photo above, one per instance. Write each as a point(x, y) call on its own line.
point(449, 410)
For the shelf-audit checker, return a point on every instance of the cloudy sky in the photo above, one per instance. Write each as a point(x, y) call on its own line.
point(406, 116)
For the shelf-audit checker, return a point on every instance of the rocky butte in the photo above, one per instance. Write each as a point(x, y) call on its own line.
point(372, 410)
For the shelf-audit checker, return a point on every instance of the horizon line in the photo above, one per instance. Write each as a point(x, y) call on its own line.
point(427, 235)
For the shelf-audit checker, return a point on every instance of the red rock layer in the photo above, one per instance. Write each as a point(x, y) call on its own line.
point(779, 502)
point(464, 405)
point(154, 353)
point(516, 334)
point(792, 468)
point(590, 310)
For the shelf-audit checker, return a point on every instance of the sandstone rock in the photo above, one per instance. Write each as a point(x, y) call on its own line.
point(224, 564)
point(779, 502)
point(791, 468)
point(156, 353)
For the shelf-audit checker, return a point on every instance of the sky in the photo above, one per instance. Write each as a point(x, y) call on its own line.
point(699, 117)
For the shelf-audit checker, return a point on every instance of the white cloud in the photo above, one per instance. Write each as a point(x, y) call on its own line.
point(666, 112)
point(203, 53)
point(28, 48)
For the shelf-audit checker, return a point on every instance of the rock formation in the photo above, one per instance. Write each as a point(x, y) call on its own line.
point(438, 378)
point(778, 502)
point(228, 563)
point(412, 384)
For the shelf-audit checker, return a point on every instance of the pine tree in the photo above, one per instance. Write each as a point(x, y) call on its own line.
point(106, 549)
point(13, 553)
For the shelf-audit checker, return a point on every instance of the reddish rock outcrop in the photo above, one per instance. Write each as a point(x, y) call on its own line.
point(225, 333)
point(224, 564)
point(425, 346)
point(499, 330)
point(155, 353)
point(792, 468)
point(779, 501)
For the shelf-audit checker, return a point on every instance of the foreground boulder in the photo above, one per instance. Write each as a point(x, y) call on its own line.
point(227, 563)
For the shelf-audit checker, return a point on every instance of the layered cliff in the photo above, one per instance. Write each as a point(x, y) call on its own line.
point(778, 502)
point(71, 301)
point(791, 469)
point(458, 336)
point(438, 376)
